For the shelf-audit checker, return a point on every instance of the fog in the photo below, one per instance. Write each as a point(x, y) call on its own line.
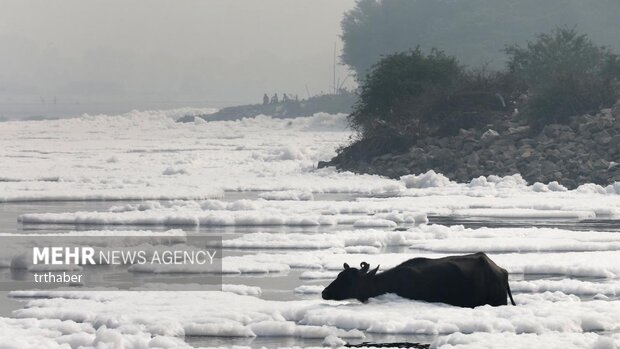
point(76, 54)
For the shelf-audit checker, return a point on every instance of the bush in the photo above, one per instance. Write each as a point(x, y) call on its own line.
point(412, 94)
point(477, 98)
point(394, 82)
point(566, 75)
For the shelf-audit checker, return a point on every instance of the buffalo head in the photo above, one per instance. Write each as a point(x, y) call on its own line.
point(349, 283)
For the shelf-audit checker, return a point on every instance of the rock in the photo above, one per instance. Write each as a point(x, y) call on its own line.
point(553, 155)
point(571, 155)
point(526, 153)
point(444, 142)
point(439, 155)
point(569, 183)
point(387, 156)
point(602, 137)
point(469, 146)
point(489, 134)
point(518, 130)
point(587, 143)
point(548, 167)
point(615, 111)
point(605, 120)
point(473, 160)
point(467, 134)
point(556, 130)
point(600, 164)
point(416, 152)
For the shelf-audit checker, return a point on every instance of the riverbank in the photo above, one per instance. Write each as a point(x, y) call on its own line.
point(587, 150)
point(341, 103)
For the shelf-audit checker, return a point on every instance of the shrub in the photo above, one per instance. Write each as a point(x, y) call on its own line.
point(476, 99)
point(411, 94)
point(394, 82)
point(566, 75)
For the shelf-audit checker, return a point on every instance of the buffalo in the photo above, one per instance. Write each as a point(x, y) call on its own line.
point(464, 281)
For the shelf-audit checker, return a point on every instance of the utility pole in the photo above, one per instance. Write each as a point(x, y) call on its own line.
point(335, 68)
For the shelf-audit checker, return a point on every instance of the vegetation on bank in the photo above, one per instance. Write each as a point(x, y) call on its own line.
point(566, 74)
point(553, 114)
point(416, 94)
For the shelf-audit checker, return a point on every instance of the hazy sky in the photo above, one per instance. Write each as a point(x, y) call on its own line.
point(174, 50)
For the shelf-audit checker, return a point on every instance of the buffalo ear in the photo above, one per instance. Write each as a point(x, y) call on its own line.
point(374, 271)
point(364, 267)
point(346, 266)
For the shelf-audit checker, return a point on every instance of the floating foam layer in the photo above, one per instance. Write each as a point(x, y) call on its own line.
point(524, 213)
point(172, 315)
point(438, 238)
point(242, 289)
point(460, 245)
point(125, 157)
point(309, 289)
point(287, 195)
point(210, 218)
point(527, 340)
point(238, 213)
point(568, 286)
point(338, 239)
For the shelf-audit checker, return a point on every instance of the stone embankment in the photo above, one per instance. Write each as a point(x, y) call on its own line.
point(587, 150)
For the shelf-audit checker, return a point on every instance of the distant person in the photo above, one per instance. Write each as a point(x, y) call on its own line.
point(265, 99)
point(274, 99)
point(285, 98)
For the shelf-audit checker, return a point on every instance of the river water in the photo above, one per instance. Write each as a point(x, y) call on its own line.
point(274, 286)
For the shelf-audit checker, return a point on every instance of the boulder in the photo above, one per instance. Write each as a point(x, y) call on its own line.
point(573, 154)
point(489, 134)
point(602, 137)
point(557, 130)
point(615, 111)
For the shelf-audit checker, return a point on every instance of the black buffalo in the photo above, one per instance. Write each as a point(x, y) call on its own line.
point(464, 281)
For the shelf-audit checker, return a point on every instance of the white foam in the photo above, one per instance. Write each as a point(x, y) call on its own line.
point(526, 340)
point(370, 223)
point(309, 289)
point(171, 315)
point(287, 195)
point(426, 180)
point(568, 286)
point(242, 289)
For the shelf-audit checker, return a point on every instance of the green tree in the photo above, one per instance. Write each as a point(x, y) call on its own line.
point(393, 83)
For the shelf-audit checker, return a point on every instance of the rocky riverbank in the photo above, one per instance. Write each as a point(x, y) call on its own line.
point(585, 151)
